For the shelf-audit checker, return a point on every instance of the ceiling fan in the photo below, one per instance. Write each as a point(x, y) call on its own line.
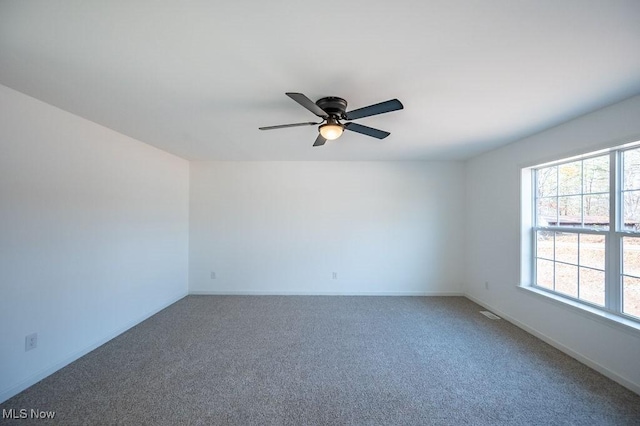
point(333, 109)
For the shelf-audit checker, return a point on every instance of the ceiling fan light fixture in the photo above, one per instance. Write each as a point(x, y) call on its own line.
point(331, 131)
point(333, 109)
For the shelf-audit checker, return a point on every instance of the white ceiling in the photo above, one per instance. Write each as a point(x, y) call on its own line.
point(197, 78)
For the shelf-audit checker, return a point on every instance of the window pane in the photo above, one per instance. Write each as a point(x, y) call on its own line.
point(544, 273)
point(567, 279)
point(631, 296)
point(592, 252)
point(567, 247)
point(544, 244)
point(631, 210)
point(631, 169)
point(592, 286)
point(596, 211)
point(547, 181)
point(596, 175)
point(570, 178)
point(570, 211)
point(631, 256)
point(547, 211)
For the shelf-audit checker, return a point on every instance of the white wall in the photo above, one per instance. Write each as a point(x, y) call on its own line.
point(93, 236)
point(493, 232)
point(284, 227)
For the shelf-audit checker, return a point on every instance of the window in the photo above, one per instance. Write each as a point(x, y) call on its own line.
point(585, 230)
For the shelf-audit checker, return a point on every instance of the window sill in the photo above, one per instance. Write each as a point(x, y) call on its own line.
point(607, 318)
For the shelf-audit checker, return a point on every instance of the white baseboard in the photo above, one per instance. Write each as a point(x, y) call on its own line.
point(47, 371)
point(635, 387)
point(320, 293)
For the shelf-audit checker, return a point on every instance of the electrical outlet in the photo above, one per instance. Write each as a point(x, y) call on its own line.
point(213, 275)
point(31, 342)
point(334, 276)
point(486, 285)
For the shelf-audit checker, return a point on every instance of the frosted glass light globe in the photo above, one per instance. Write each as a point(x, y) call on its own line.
point(331, 131)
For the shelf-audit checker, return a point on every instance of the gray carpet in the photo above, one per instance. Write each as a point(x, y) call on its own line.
point(270, 360)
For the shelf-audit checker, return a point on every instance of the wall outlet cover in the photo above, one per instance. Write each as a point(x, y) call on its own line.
point(31, 342)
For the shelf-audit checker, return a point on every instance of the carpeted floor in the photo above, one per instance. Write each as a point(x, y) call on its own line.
point(307, 360)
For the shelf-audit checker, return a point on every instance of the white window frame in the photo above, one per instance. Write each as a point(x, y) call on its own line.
point(612, 311)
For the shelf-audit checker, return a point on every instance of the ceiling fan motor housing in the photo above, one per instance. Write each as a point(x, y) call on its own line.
point(333, 106)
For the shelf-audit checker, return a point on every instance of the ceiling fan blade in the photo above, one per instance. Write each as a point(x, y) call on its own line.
point(282, 126)
point(308, 104)
point(369, 131)
point(320, 140)
point(381, 108)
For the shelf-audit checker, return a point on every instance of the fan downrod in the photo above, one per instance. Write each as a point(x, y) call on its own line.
point(333, 106)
